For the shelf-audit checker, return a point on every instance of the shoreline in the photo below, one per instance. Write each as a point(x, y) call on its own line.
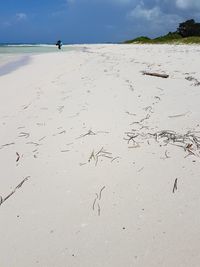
point(13, 64)
point(19, 55)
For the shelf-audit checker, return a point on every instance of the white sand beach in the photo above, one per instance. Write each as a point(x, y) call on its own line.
point(99, 163)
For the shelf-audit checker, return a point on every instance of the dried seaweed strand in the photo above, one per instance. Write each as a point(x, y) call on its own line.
point(92, 156)
point(175, 185)
point(2, 200)
point(101, 192)
point(33, 143)
point(93, 206)
point(9, 144)
point(114, 159)
point(23, 134)
point(90, 132)
point(99, 210)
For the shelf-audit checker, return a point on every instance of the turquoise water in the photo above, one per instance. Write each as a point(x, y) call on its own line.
point(14, 56)
point(31, 49)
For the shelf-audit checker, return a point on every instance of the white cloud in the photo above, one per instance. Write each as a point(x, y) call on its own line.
point(188, 4)
point(21, 16)
point(153, 20)
point(140, 12)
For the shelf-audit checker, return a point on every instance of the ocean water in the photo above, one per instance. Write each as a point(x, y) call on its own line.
point(13, 56)
point(30, 48)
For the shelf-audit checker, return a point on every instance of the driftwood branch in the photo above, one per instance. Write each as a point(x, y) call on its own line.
point(156, 74)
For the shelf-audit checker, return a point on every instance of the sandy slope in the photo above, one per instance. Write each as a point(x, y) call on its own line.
point(116, 209)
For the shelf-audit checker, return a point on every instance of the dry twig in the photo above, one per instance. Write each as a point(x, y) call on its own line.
point(9, 144)
point(99, 210)
point(33, 143)
point(156, 74)
point(189, 141)
point(23, 134)
point(99, 154)
point(18, 156)
point(2, 200)
point(90, 132)
point(98, 198)
point(175, 185)
point(115, 159)
point(93, 206)
point(101, 192)
point(178, 115)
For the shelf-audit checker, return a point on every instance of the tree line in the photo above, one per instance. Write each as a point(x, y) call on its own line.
point(189, 28)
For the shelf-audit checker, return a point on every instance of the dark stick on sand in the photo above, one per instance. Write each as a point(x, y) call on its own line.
point(156, 74)
point(2, 200)
point(175, 185)
point(9, 144)
point(18, 156)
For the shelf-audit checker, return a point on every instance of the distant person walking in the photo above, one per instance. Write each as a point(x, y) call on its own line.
point(59, 44)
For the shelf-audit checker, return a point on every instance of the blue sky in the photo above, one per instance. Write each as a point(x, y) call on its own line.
point(91, 21)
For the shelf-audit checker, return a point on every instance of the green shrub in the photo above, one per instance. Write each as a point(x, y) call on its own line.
point(188, 32)
point(141, 39)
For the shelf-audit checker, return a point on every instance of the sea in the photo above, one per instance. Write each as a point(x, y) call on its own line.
point(12, 56)
point(30, 48)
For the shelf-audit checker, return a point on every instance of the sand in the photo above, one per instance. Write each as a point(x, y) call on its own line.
point(87, 179)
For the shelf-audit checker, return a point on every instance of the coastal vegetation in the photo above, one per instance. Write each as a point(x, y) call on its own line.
point(188, 32)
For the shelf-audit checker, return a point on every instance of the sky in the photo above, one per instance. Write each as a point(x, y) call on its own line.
point(91, 21)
